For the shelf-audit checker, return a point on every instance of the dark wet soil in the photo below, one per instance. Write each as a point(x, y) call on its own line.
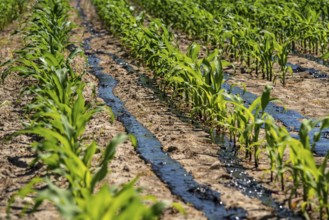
point(296, 68)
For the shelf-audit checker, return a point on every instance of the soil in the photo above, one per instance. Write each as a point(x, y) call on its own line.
point(180, 138)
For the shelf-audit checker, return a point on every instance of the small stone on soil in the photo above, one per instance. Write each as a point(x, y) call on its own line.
point(126, 168)
point(215, 165)
point(172, 149)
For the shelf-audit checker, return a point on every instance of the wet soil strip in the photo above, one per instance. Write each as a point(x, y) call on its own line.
point(296, 68)
point(311, 58)
point(169, 171)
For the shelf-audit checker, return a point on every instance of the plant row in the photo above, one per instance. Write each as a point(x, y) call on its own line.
point(197, 85)
point(10, 10)
point(58, 115)
point(257, 35)
point(303, 22)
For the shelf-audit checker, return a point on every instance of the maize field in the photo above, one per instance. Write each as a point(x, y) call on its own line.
point(136, 109)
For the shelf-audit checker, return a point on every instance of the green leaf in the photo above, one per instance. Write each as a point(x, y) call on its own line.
point(325, 56)
point(266, 97)
point(193, 51)
point(133, 140)
point(108, 155)
point(91, 150)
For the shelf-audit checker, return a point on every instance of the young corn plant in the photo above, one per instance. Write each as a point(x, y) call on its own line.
point(249, 120)
point(276, 146)
point(267, 43)
point(306, 173)
point(282, 58)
